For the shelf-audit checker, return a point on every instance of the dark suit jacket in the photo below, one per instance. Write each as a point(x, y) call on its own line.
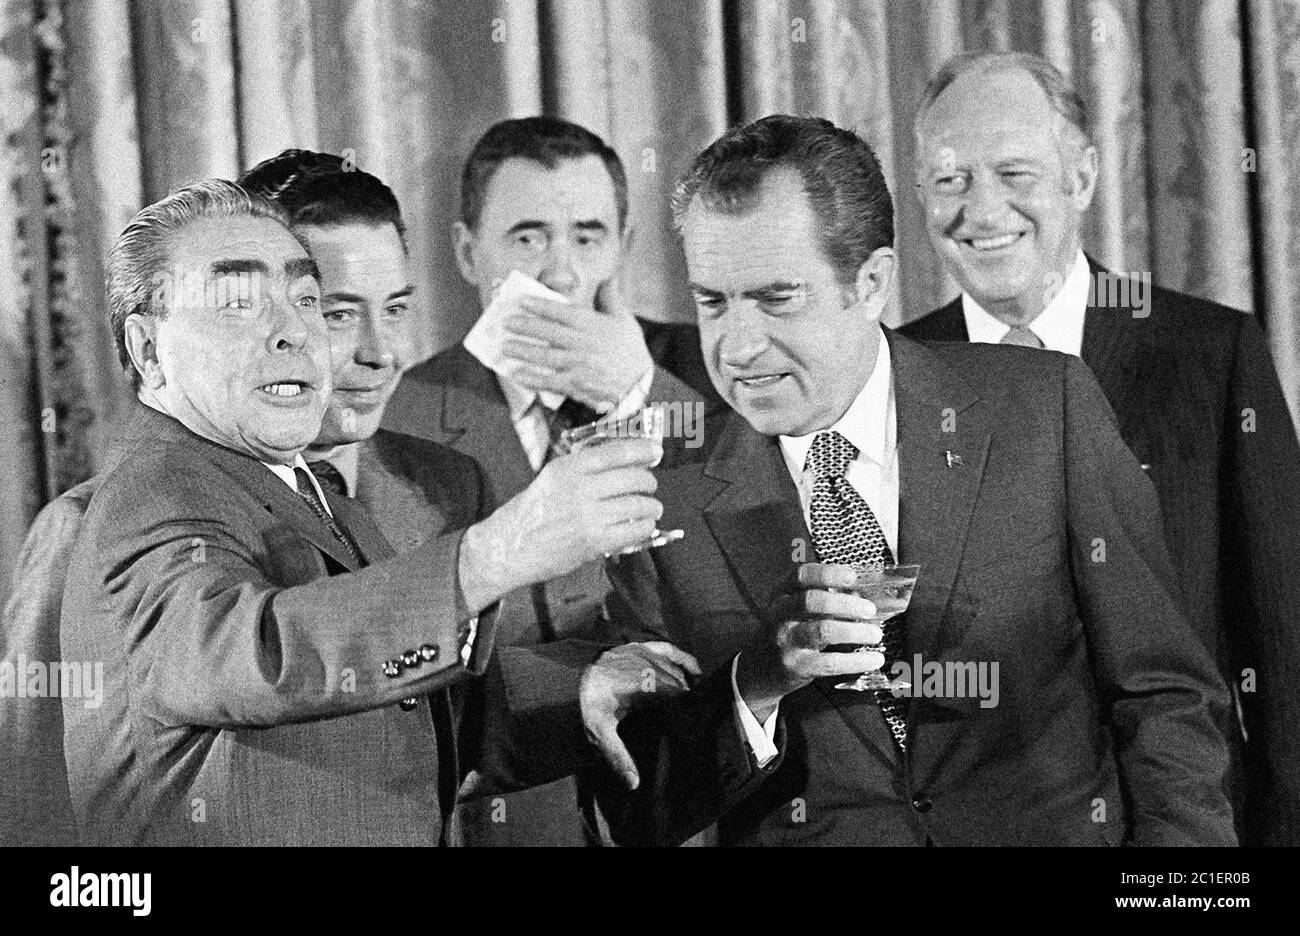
point(1103, 729)
point(675, 346)
point(244, 698)
point(547, 633)
point(1180, 381)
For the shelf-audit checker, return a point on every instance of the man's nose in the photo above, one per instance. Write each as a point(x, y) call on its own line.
point(558, 271)
point(741, 341)
point(377, 347)
point(293, 327)
point(986, 200)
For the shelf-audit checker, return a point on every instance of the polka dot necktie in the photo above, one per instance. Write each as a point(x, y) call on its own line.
point(846, 532)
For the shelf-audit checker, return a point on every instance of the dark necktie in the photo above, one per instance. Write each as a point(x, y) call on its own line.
point(330, 478)
point(568, 415)
point(308, 493)
point(846, 532)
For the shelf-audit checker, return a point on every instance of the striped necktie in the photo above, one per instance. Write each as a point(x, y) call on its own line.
point(307, 491)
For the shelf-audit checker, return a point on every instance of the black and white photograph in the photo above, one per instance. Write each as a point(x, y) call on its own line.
point(616, 423)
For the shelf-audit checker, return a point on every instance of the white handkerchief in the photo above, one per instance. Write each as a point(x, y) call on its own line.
point(486, 338)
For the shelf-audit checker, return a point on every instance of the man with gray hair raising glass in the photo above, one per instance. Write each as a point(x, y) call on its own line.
point(267, 659)
point(1006, 170)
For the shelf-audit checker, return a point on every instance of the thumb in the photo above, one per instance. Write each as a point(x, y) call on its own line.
point(683, 659)
point(604, 734)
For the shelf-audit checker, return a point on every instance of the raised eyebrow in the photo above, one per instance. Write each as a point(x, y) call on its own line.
point(346, 297)
point(239, 265)
point(300, 267)
point(401, 293)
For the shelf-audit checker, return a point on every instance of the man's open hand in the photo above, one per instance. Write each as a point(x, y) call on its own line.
point(620, 678)
point(595, 357)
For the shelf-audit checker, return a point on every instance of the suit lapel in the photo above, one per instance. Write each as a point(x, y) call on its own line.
point(476, 421)
point(943, 442)
point(288, 506)
point(352, 516)
point(152, 427)
point(756, 519)
point(1114, 346)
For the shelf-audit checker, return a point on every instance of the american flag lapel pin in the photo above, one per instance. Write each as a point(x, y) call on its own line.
point(954, 460)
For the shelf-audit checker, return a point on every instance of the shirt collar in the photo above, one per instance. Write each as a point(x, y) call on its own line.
point(285, 474)
point(866, 423)
point(1059, 326)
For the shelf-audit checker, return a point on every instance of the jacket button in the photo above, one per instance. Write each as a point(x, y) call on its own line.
point(922, 804)
point(392, 668)
point(428, 652)
point(407, 705)
point(411, 659)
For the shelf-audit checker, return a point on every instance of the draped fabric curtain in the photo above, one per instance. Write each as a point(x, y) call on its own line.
point(107, 104)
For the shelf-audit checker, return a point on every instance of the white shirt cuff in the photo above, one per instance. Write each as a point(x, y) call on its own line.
point(761, 738)
point(467, 650)
point(635, 398)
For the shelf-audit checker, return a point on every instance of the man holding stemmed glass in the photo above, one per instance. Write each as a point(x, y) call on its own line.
point(1036, 533)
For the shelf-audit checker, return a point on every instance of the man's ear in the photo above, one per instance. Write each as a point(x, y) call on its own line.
point(463, 239)
point(1082, 177)
point(876, 279)
point(140, 333)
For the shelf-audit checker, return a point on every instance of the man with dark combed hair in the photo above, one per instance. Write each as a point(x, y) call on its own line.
point(545, 198)
point(1036, 695)
point(1006, 172)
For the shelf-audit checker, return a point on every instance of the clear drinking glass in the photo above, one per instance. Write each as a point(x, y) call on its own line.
point(889, 588)
point(647, 423)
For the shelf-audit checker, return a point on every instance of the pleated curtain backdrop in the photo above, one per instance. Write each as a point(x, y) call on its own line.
point(105, 105)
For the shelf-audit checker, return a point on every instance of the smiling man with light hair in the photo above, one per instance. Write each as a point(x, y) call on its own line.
point(1006, 171)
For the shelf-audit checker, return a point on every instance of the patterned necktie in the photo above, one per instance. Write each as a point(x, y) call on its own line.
point(308, 493)
point(330, 478)
point(846, 532)
point(1019, 335)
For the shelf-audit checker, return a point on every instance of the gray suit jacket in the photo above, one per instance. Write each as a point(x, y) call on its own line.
point(34, 804)
point(244, 651)
point(547, 632)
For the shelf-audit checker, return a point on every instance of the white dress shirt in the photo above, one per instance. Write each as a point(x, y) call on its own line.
point(285, 474)
point(1059, 326)
point(871, 425)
